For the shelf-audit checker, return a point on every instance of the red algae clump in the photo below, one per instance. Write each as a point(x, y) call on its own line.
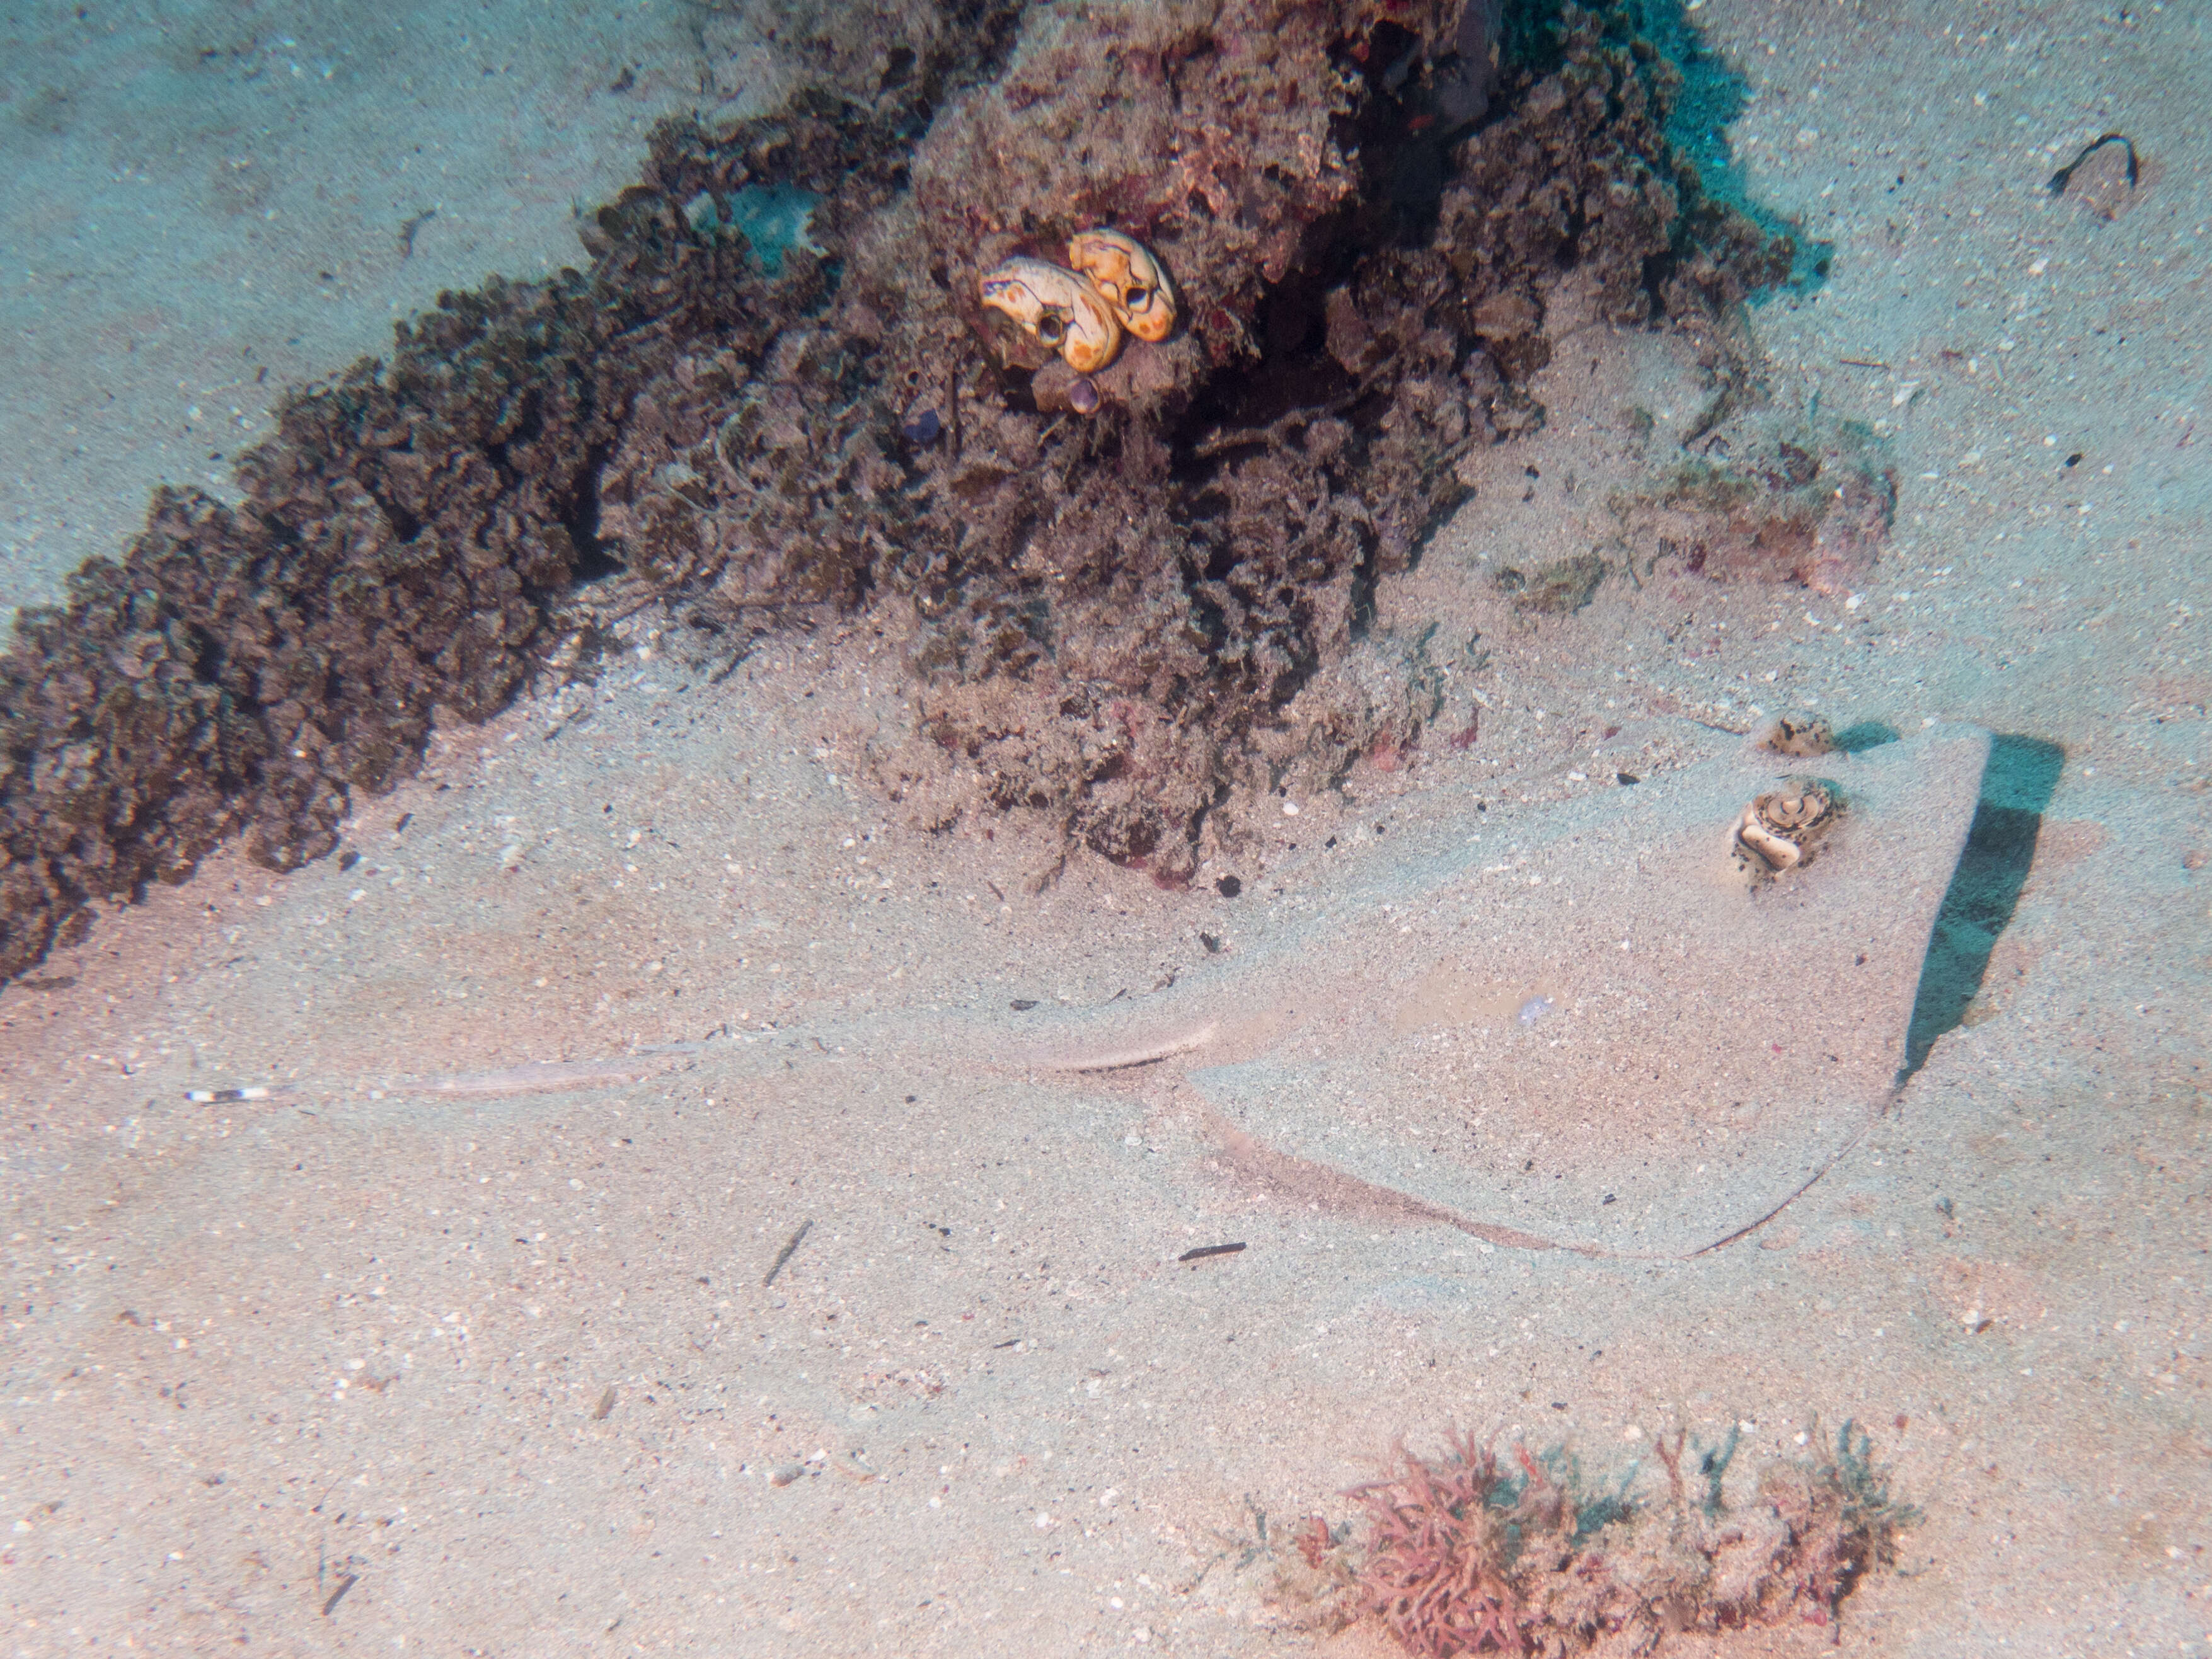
point(1468, 1553)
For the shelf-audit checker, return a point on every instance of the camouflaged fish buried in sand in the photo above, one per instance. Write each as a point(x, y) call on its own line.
point(1672, 1095)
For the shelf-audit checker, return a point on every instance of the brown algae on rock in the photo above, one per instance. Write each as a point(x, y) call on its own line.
point(1176, 584)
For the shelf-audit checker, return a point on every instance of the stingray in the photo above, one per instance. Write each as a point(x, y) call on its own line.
point(1613, 1038)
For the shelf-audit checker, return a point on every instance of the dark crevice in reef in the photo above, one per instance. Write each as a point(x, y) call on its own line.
point(1134, 621)
point(595, 560)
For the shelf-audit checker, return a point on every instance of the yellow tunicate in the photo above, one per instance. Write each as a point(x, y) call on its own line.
point(1057, 307)
point(1133, 280)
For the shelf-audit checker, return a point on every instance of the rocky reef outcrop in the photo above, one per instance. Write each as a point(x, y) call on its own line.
point(1135, 608)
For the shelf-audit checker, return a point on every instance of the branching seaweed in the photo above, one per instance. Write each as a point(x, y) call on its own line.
point(1471, 1553)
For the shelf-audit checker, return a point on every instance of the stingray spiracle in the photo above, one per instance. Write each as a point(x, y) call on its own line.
point(1781, 829)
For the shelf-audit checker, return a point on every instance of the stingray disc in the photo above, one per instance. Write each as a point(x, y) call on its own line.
point(1617, 1039)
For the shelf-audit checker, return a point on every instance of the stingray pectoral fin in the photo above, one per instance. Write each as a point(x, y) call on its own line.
point(1302, 1182)
point(1712, 1047)
point(1118, 1036)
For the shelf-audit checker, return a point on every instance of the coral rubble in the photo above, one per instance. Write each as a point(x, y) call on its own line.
point(1755, 499)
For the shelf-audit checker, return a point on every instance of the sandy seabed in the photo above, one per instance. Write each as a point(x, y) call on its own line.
point(458, 1338)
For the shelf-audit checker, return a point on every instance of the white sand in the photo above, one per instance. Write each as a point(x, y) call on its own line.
point(507, 1363)
point(209, 201)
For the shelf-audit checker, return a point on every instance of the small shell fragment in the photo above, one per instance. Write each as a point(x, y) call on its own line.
point(1056, 307)
point(1779, 830)
point(1131, 277)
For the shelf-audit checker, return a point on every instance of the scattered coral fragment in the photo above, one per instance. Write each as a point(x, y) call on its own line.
point(1557, 589)
point(1759, 500)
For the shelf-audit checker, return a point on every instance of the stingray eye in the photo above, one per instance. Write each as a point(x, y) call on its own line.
point(1802, 737)
point(1779, 830)
point(1794, 809)
point(1051, 329)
